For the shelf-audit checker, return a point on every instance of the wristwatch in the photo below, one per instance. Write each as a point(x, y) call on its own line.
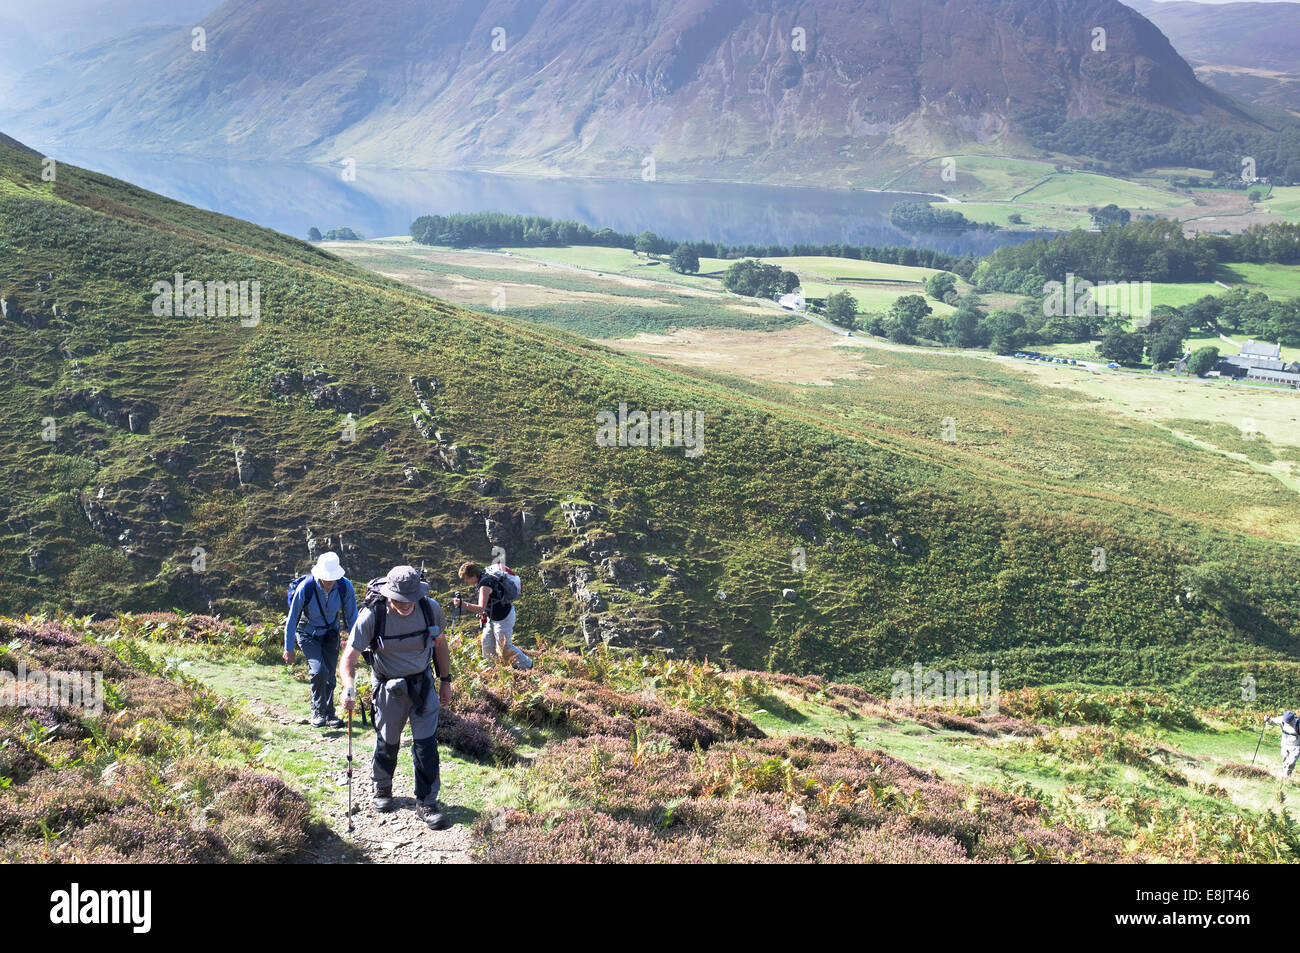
point(444, 678)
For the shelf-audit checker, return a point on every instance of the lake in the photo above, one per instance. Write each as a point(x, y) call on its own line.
point(291, 198)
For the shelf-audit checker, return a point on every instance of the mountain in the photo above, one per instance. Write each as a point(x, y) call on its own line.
point(37, 32)
point(161, 459)
point(822, 90)
point(1247, 50)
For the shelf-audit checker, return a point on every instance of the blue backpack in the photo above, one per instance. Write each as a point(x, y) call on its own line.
point(301, 581)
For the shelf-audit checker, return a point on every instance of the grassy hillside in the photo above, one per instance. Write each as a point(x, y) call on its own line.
point(915, 548)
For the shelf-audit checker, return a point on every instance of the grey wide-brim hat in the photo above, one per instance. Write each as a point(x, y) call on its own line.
point(403, 585)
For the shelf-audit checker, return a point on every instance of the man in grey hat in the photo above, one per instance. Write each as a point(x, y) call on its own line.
point(400, 631)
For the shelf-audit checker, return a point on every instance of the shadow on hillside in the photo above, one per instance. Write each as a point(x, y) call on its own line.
point(774, 706)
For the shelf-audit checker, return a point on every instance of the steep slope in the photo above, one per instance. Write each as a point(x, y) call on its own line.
point(200, 460)
point(746, 89)
point(1248, 50)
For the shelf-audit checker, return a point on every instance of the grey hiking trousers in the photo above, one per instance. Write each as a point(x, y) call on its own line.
point(393, 708)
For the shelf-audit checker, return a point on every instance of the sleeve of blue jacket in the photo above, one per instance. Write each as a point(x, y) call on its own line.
point(291, 624)
point(348, 598)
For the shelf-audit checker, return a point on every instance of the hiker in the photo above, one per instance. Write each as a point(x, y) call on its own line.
point(317, 602)
point(1290, 724)
point(497, 588)
point(400, 631)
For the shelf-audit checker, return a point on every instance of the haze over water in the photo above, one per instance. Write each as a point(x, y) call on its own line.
point(291, 198)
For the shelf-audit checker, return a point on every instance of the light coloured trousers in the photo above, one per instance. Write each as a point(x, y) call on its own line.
point(496, 637)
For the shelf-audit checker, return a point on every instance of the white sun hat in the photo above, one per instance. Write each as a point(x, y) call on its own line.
point(327, 568)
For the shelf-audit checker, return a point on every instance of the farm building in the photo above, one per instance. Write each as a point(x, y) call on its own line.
point(1260, 361)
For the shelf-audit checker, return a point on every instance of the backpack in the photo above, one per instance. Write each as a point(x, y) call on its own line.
point(504, 582)
point(297, 584)
point(377, 603)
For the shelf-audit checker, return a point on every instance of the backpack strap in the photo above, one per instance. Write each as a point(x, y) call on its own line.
point(320, 603)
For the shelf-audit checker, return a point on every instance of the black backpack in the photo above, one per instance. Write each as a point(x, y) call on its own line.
point(377, 603)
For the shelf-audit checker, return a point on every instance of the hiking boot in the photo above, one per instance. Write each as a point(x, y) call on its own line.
point(317, 720)
point(432, 815)
point(333, 720)
point(382, 800)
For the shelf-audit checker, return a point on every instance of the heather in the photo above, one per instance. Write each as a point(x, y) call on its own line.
point(161, 775)
point(773, 801)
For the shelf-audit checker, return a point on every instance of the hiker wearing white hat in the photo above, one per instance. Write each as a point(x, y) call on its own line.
point(318, 602)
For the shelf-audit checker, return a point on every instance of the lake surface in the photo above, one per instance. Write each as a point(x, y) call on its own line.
point(291, 198)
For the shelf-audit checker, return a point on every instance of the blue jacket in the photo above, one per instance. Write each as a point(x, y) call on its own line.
point(340, 601)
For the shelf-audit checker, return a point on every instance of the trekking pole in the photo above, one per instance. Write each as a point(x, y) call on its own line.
point(350, 827)
point(1260, 742)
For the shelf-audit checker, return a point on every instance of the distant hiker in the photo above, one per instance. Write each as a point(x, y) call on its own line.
point(1290, 723)
point(497, 588)
point(317, 604)
point(399, 641)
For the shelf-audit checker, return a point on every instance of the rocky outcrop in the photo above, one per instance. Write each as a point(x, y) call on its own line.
point(129, 415)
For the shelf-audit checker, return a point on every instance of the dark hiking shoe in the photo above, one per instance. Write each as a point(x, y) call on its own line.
point(382, 800)
point(432, 815)
point(317, 720)
point(333, 720)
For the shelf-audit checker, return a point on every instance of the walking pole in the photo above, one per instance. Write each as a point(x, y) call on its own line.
point(350, 827)
point(1261, 740)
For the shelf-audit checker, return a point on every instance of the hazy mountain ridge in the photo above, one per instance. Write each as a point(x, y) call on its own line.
point(709, 88)
point(1248, 50)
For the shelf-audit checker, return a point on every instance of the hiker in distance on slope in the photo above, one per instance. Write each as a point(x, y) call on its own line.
point(400, 632)
point(496, 589)
point(317, 603)
point(1290, 724)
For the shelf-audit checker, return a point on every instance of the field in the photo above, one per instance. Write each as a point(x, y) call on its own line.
point(1284, 201)
point(874, 299)
point(1276, 281)
point(604, 291)
point(1049, 217)
point(596, 303)
point(979, 178)
point(1087, 189)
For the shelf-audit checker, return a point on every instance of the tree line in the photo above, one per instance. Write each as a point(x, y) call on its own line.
point(1137, 138)
point(1139, 251)
point(496, 229)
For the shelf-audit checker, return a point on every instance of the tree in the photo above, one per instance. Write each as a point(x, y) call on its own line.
point(904, 317)
point(842, 309)
point(648, 243)
point(759, 280)
point(1006, 330)
point(1109, 215)
point(964, 328)
point(684, 261)
point(313, 234)
point(1122, 347)
point(939, 286)
point(1166, 334)
point(1202, 360)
